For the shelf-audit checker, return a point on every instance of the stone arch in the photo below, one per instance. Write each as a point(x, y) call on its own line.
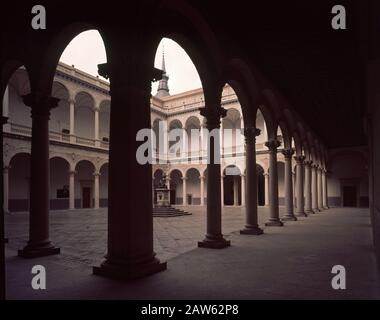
point(104, 120)
point(239, 76)
point(232, 185)
point(84, 115)
point(19, 182)
point(59, 182)
point(60, 116)
point(260, 185)
point(84, 183)
point(103, 185)
point(176, 186)
point(57, 44)
point(19, 115)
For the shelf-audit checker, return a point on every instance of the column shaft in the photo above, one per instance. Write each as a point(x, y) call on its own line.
point(6, 189)
point(274, 219)
point(96, 127)
point(300, 211)
point(251, 216)
point(320, 193)
point(72, 121)
point(325, 193)
point(266, 175)
point(243, 187)
point(184, 191)
point(96, 190)
point(314, 189)
point(289, 210)
point(213, 112)
point(72, 190)
point(39, 243)
point(236, 191)
point(202, 178)
point(308, 197)
point(130, 252)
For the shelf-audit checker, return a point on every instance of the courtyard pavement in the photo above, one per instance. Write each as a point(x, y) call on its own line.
point(291, 262)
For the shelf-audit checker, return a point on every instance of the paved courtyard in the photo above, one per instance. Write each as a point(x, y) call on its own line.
point(293, 262)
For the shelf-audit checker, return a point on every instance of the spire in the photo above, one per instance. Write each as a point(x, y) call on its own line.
point(163, 88)
point(163, 68)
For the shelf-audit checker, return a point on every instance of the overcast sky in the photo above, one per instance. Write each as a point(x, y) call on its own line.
point(86, 51)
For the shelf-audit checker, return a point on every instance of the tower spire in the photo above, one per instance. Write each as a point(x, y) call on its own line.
point(163, 68)
point(163, 88)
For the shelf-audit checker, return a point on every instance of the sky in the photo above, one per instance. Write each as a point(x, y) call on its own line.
point(87, 50)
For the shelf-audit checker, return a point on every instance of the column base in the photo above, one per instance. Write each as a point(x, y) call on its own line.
point(307, 212)
point(289, 218)
point(274, 223)
point(33, 251)
point(301, 214)
point(125, 272)
point(252, 231)
point(315, 210)
point(326, 208)
point(214, 244)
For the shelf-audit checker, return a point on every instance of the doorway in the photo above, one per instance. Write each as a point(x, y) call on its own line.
point(349, 196)
point(86, 197)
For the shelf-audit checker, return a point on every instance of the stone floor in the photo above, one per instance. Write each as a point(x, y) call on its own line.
point(293, 262)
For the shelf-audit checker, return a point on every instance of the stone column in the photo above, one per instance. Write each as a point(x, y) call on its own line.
point(72, 189)
point(96, 189)
point(325, 193)
point(184, 191)
point(202, 178)
point(320, 193)
point(300, 210)
point(184, 142)
point(72, 120)
point(130, 253)
point(222, 189)
point(274, 219)
point(236, 191)
point(289, 210)
point(308, 201)
point(6, 189)
point(202, 146)
point(266, 176)
point(39, 243)
point(96, 126)
point(213, 113)
point(243, 186)
point(294, 188)
point(251, 224)
point(314, 188)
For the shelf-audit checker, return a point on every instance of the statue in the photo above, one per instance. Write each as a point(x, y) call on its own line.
point(162, 182)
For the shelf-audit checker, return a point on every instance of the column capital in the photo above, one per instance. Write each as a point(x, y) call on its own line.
point(6, 168)
point(184, 178)
point(141, 74)
point(71, 101)
point(288, 153)
point(308, 163)
point(213, 116)
point(96, 108)
point(72, 172)
point(96, 174)
point(314, 166)
point(40, 104)
point(299, 159)
point(201, 177)
point(266, 174)
point(250, 134)
point(272, 145)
